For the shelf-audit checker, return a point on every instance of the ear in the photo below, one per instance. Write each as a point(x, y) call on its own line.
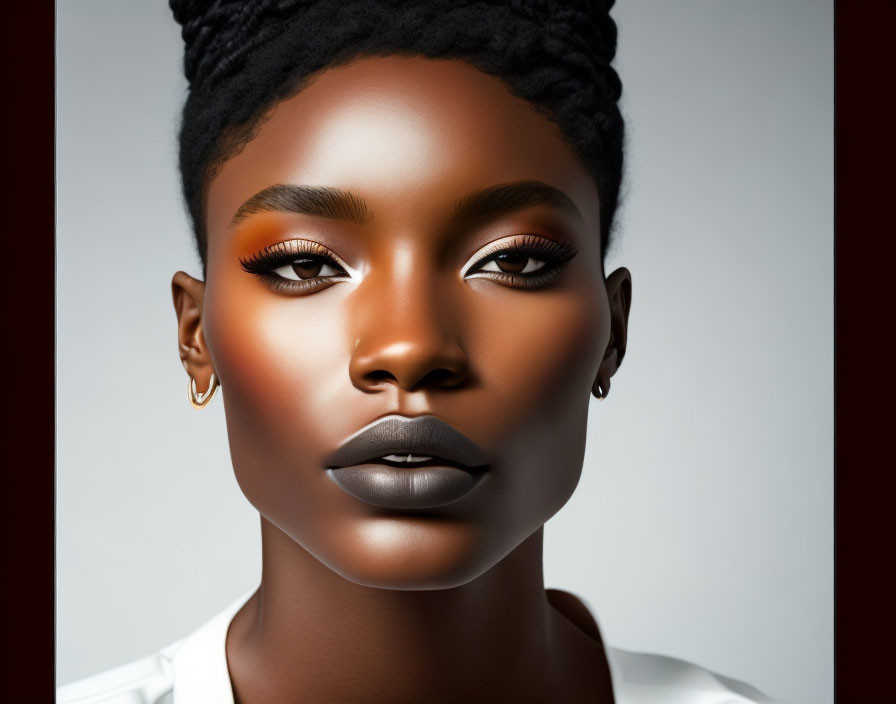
point(619, 293)
point(188, 294)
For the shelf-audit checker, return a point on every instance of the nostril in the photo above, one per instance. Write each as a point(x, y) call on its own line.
point(439, 378)
point(413, 366)
point(442, 378)
point(435, 378)
point(379, 375)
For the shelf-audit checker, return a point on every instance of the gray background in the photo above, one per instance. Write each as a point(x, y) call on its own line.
point(704, 513)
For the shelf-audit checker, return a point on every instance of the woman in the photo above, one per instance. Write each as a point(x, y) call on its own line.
point(402, 211)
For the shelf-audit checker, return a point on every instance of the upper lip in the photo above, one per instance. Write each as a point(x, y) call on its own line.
point(395, 434)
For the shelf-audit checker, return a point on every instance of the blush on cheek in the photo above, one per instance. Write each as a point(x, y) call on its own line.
point(278, 358)
point(277, 354)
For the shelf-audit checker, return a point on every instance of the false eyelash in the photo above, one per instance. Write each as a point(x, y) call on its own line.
point(283, 253)
point(555, 256)
point(264, 263)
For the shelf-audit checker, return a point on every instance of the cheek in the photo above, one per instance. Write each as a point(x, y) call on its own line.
point(539, 352)
point(278, 359)
point(542, 355)
point(284, 369)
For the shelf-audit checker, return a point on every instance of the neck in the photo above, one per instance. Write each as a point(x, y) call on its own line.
point(310, 634)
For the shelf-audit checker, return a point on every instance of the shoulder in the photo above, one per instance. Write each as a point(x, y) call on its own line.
point(194, 666)
point(646, 678)
point(149, 680)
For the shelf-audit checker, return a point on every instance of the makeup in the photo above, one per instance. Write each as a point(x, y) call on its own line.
point(524, 261)
point(470, 291)
point(406, 462)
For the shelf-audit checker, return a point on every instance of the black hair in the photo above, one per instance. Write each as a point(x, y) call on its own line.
point(242, 57)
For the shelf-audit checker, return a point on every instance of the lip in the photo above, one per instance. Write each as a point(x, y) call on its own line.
point(457, 466)
point(418, 435)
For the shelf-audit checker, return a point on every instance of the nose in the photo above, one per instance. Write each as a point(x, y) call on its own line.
point(405, 336)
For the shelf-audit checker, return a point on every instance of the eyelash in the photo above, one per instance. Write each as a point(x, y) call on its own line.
point(265, 263)
point(554, 255)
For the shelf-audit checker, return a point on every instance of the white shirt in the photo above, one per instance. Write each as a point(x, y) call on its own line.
point(193, 670)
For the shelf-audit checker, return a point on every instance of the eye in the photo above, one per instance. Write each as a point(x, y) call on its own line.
point(297, 267)
point(513, 263)
point(524, 261)
point(308, 268)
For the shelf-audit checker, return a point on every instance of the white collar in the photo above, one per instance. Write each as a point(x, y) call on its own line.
point(200, 662)
point(201, 675)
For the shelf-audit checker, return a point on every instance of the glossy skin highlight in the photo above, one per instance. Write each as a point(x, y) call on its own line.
point(416, 323)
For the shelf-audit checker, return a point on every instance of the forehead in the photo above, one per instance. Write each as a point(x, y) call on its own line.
point(409, 134)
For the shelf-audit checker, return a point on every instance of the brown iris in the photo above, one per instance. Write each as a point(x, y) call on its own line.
point(307, 268)
point(511, 263)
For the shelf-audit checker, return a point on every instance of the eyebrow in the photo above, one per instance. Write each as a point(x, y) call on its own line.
point(507, 197)
point(322, 201)
point(334, 203)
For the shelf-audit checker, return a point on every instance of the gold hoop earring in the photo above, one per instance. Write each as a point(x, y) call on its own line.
point(200, 400)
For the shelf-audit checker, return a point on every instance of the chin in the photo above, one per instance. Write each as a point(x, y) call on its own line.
point(410, 553)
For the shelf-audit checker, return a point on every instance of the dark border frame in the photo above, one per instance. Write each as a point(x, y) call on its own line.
point(865, 350)
point(865, 317)
point(28, 511)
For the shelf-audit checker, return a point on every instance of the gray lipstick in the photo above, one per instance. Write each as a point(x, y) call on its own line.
point(455, 466)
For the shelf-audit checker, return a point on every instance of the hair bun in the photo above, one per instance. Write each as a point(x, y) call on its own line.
point(186, 10)
point(243, 56)
point(215, 31)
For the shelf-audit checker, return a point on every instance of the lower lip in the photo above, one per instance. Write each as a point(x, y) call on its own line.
point(398, 487)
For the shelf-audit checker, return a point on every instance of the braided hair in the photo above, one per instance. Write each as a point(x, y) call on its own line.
point(243, 57)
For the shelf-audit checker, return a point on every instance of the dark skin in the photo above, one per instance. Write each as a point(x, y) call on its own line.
point(407, 309)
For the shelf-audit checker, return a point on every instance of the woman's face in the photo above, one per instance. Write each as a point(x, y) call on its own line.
point(432, 249)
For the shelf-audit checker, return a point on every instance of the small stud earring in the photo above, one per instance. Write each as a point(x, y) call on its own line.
point(598, 391)
point(200, 400)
